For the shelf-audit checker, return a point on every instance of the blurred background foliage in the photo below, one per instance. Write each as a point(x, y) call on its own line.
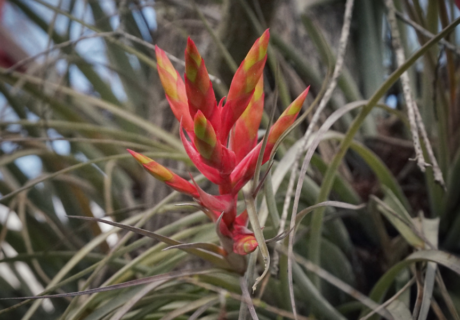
point(78, 85)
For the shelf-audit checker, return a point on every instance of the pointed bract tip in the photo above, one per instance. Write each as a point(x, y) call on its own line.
point(159, 53)
point(139, 157)
point(190, 44)
point(158, 171)
point(305, 92)
point(165, 65)
point(257, 52)
point(192, 51)
point(266, 35)
point(263, 42)
point(298, 103)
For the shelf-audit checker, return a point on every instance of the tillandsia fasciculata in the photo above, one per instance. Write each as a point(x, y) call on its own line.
point(222, 137)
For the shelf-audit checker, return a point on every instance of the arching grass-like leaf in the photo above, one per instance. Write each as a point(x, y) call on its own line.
point(218, 261)
point(155, 279)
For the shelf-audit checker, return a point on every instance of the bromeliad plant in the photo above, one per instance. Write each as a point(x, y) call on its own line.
point(222, 137)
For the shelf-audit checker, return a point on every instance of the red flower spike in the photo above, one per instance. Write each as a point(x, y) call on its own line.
point(243, 84)
point(174, 88)
point(165, 175)
point(198, 86)
point(243, 137)
point(209, 126)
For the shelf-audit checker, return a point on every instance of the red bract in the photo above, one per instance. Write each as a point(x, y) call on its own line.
point(222, 138)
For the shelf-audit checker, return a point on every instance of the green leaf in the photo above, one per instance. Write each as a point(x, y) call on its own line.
point(255, 224)
point(190, 307)
point(158, 278)
point(443, 258)
point(198, 245)
point(218, 261)
point(399, 218)
point(399, 310)
point(353, 129)
point(430, 228)
point(68, 169)
point(93, 101)
point(319, 304)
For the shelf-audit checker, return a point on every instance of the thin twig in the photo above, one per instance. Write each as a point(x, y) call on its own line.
point(405, 82)
point(169, 55)
point(247, 298)
point(82, 140)
point(415, 122)
point(434, 163)
point(426, 33)
point(99, 35)
point(64, 44)
point(337, 69)
point(389, 301)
